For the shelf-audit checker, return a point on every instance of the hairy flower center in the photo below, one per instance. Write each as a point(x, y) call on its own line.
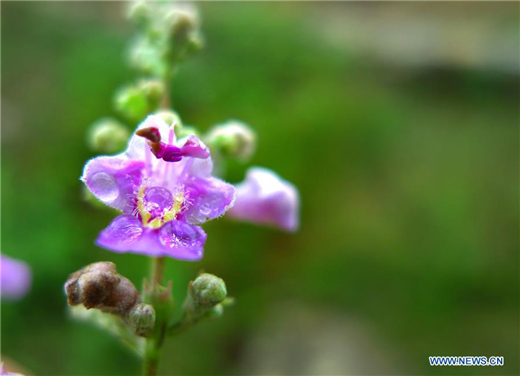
point(157, 205)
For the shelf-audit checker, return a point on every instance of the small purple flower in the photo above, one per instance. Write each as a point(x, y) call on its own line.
point(15, 278)
point(265, 198)
point(164, 188)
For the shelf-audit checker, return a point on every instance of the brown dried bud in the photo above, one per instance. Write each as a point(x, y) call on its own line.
point(99, 286)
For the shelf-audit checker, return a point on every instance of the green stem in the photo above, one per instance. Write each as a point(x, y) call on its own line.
point(153, 349)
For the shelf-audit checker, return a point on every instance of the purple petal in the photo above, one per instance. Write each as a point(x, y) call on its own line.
point(122, 234)
point(15, 278)
point(265, 198)
point(181, 240)
point(194, 147)
point(176, 239)
point(114, 180)
point(208, 198)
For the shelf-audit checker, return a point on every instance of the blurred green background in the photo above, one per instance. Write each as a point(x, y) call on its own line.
point(397, 121)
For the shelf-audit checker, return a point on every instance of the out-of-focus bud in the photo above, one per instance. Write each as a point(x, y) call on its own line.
point(186, 130)
point(152, 90)
point(99, 286)
point(131, 103)
point(184, 25)
point(107, 136)
point(142, 319)
point(137, 101)
point(139, 13)
point(204, 293)
point(170, 117)
point(233, 139)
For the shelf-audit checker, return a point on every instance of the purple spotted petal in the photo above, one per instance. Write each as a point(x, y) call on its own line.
point(15, 278)
point(176, 239)
point(208, 199)
point(114, 180)
point(264, 198)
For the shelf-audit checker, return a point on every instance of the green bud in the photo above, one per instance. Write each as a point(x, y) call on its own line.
point(142, 319)
point(184, 26)
point(186, 130)
point(131, 103)
point(204, 293)
point(170, 117)
point(136, 101)
point(107, 136)
point(147, 56)
point(233, 139)
point(139, 13)
point(153, 90)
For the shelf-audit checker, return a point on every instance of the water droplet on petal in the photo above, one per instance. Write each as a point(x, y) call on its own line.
point(205, 209)
point(104, 186)
point(157, 199)
point(177, 234)
point(124, 229)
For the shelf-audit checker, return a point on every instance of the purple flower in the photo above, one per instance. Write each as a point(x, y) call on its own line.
point(164, 188)
point(15, 278)
point(5, 373)
point(265, 198)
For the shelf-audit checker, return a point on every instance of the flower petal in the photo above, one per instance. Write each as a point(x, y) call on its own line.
point(114, 180)
point(195, 148)
point(265, 198)
point(176, 239)
point(181, 240)
point(208, 198)
point(123, 233)
point(15, 278)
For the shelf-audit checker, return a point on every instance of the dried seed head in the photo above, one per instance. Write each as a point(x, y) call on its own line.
point(99, 286)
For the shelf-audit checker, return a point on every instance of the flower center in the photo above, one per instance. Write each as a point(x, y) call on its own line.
point(157, 205)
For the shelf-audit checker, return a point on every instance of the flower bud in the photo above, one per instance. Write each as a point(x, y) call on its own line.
point(136, 101)
point(107, 136)
point(170, 117)
point(139, 13)
point(99, 286)
point(142, 319)
point(153, 91)
point(131, 103)
point(184, 26)
point(204, 293)
point(233, 139)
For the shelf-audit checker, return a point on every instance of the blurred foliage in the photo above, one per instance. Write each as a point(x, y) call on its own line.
point(409, 182)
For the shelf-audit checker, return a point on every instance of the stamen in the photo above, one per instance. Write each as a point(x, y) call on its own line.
point(152, 134)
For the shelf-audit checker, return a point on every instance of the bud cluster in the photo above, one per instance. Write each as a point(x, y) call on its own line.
point(168, 33)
